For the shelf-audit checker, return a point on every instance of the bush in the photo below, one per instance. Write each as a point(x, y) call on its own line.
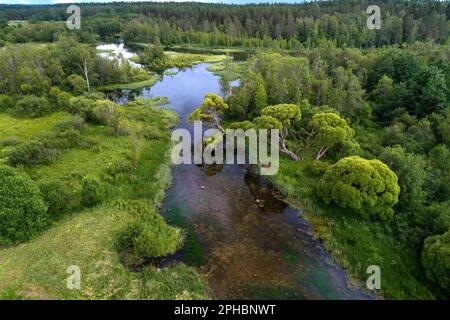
point(58, 196)
point(84, 108)
point(77, 83)
point(367, 186)
point(436, 260)
point(149, 235)
point(92, 191)
point(32, 107)
point(10, 141)
point(60, 98)
point(23, 213)
point(6, 103)
point(76, 123)
point(44, 150)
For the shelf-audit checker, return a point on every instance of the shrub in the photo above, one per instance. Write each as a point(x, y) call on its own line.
point(23, 213)
point(149, 235)
point(367, 186)
point(77, 83)
point(44, 150)
point(32, 107)
point(58, 196)
point(436, 260)
point(76, 123)
point(10, 141)
point(32, 152)
point(112, 115)
point(60, 98)
point(84, 108)
point(92, 191)
point(6, 103)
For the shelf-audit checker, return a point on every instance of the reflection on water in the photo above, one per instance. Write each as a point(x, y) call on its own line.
point(239, 232)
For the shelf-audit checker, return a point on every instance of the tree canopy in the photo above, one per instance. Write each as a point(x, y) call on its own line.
point(23, 213)
point(209, 111)
point(367, 186)
point(328, 130)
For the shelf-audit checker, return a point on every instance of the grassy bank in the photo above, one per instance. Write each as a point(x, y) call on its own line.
point(87, 237)
point(354, 242)
point(153, 78)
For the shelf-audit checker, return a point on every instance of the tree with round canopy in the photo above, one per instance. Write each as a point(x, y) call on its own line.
point(369, 187)
point(328, 130)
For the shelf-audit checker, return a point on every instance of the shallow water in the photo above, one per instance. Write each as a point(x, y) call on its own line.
point(239, 232)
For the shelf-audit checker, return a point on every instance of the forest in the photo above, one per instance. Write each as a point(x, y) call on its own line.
point(363, 116)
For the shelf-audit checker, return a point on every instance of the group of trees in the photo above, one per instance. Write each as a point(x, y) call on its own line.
point(388, 104)
point(286, 26)
point(31, 75)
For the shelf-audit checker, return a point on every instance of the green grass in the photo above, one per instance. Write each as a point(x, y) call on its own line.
point(24, 129)
point(87, 237)
point(182, 60)
point(356, 243)
point(236, 69)
point(153, 78)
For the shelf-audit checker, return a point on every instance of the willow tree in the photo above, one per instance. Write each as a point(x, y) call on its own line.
point(285, 115)
point(279, 117)
point(327, 131)
point(210, 111)
point(368, 187)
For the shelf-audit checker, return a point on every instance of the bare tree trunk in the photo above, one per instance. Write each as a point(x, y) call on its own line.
point(86, 71)
point(289, 153)
point(321, 153)
point(217, 124)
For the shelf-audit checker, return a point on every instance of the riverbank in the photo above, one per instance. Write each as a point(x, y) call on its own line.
point(354, 243)
point(87, 238)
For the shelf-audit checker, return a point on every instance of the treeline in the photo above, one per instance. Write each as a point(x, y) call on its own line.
point(287, 26)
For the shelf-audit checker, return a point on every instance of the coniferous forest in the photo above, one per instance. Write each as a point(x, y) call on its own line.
point(87, 185)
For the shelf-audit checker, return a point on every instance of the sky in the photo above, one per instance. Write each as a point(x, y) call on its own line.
point(103, 1)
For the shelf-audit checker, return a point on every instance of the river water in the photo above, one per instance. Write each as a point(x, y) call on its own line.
point(249, 243)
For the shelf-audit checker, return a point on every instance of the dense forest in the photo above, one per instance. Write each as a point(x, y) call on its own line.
point(364, 117)
point(285, 26)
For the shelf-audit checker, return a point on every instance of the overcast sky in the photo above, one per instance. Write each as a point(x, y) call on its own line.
point(80, 1)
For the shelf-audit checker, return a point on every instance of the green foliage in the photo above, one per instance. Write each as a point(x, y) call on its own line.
point(244, 125)
point(178, 282)
point(23, 213)
point(436, 260)
point(328, 130)
point(209, 111)
point(416, 87)
point(45, 149)
point(410, 221)
point(32, 107)
point(148, 235)
point(92, 191)
point(6, 103)
point(77, 84)
point(267, 122)
point(251, 95)
point(439, 173)
point(153, 55)
point(109, 113)
point(59, 197)
point(367, 186)
point(285, 113)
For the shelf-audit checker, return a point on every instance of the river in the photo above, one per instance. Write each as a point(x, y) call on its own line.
point(249, 243)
